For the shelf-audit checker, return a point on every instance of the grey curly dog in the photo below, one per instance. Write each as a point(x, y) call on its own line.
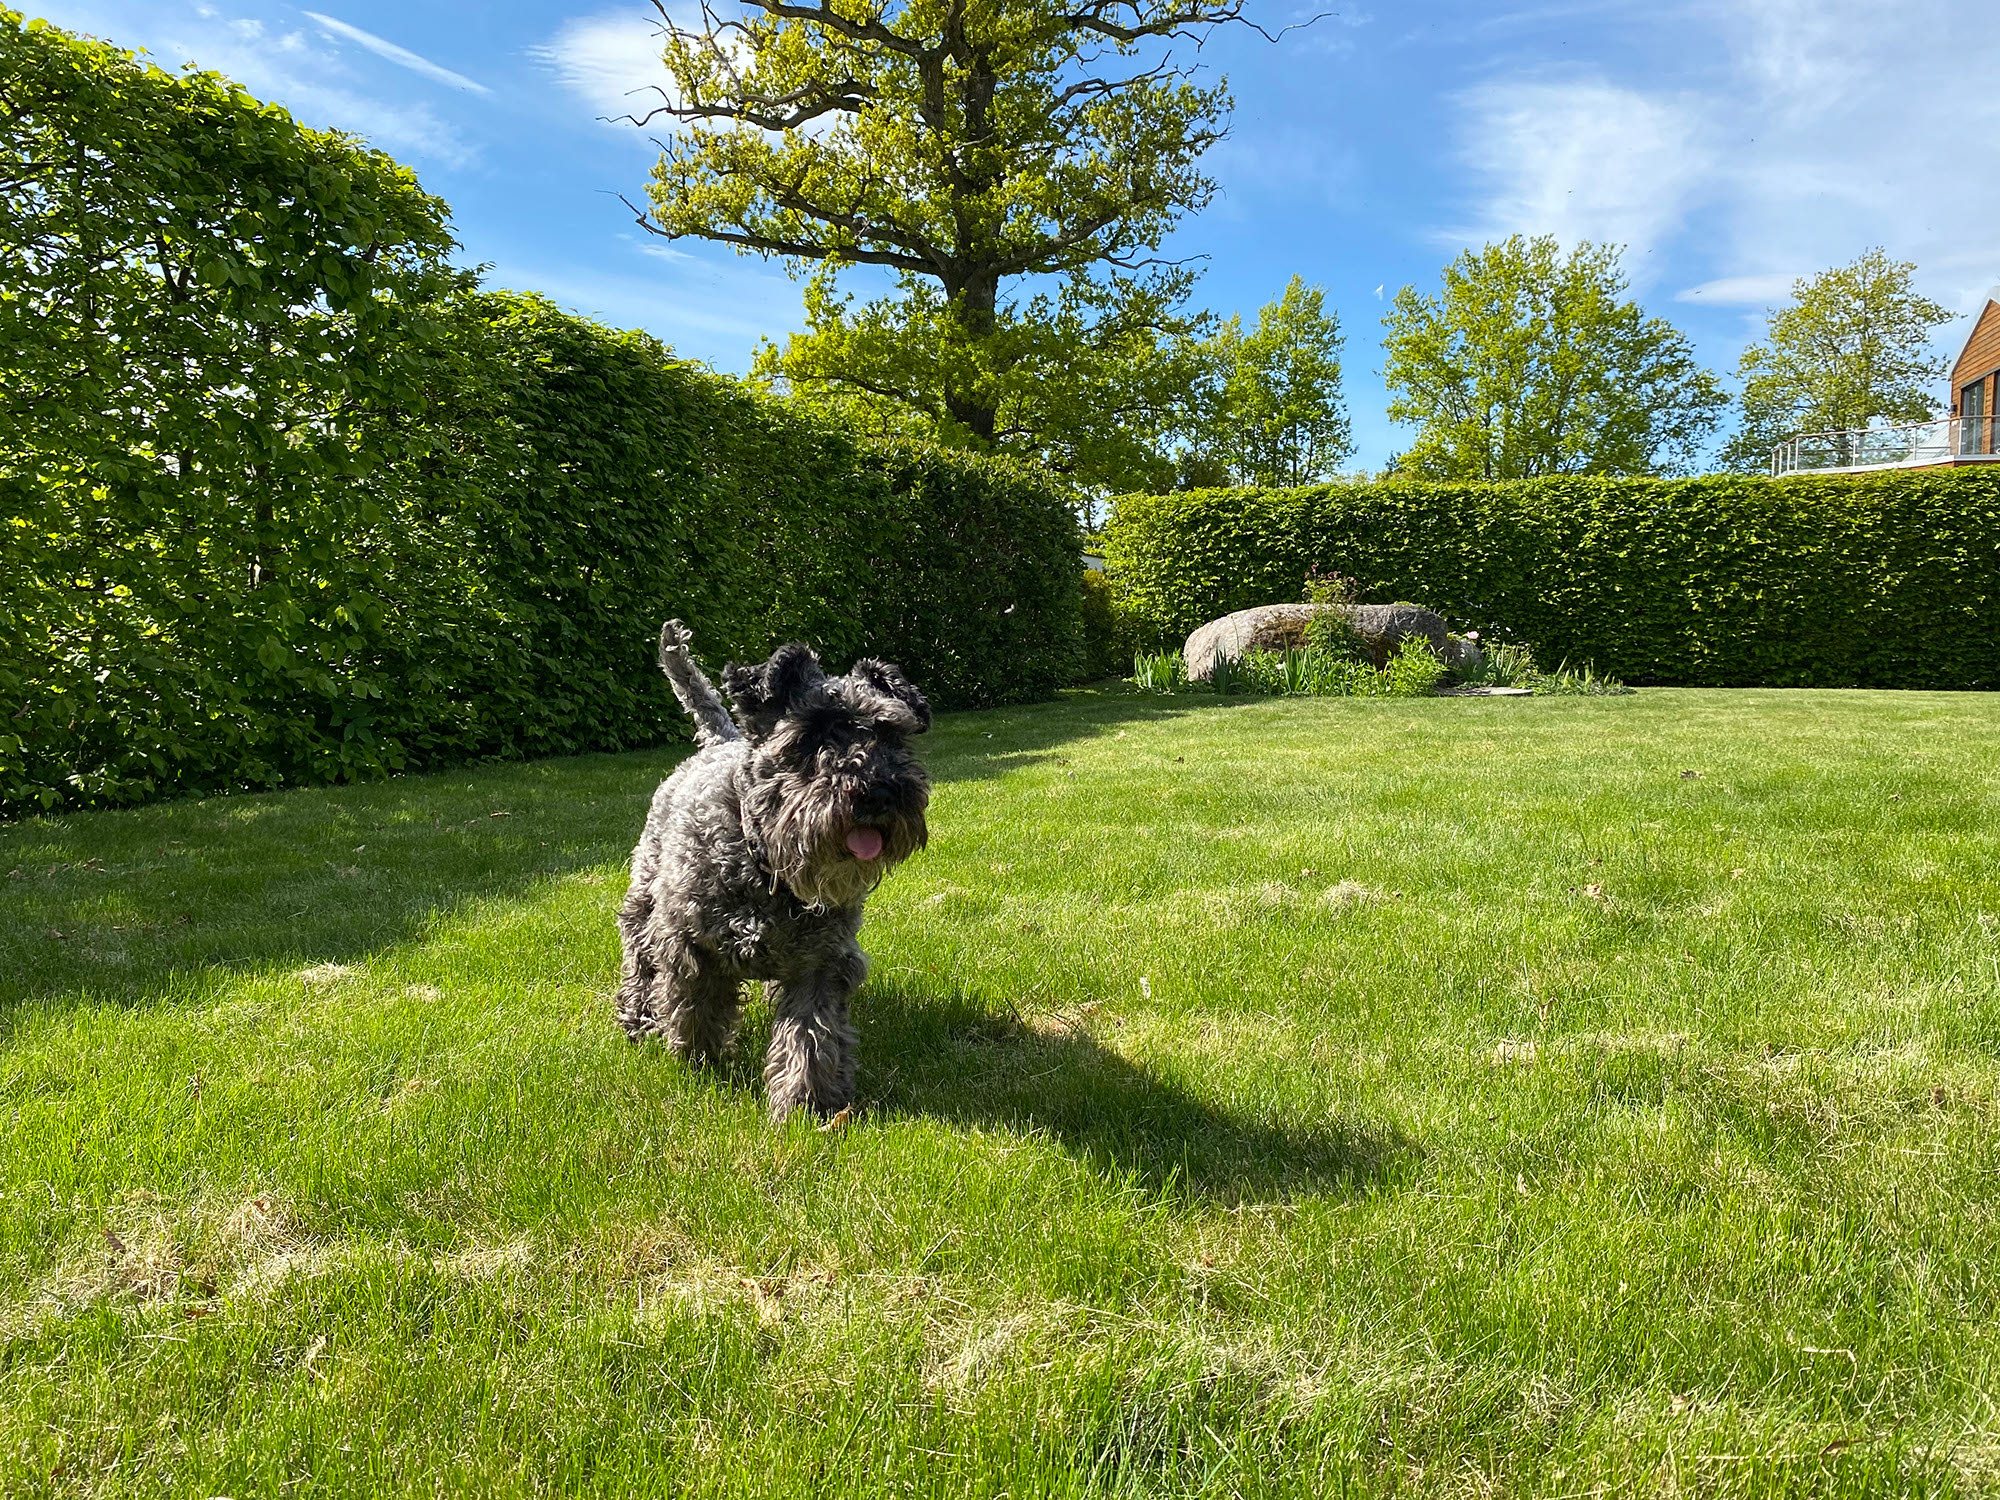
point(758, 854)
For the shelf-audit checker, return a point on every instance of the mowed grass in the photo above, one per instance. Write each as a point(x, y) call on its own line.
point(1538, 1097)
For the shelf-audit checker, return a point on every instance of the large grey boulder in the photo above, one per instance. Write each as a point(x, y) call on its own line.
point(1384, 627)
point(1268, 627)
point(1275, 627)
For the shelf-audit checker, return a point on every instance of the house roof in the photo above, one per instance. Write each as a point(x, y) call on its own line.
point(1977, 333)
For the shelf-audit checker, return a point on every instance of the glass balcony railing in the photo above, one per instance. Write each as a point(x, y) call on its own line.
point(1907, 445)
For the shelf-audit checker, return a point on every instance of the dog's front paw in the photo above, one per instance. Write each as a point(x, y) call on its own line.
point(674, 636)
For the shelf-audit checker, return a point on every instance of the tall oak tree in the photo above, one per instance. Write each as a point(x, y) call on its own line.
point(1013, 164)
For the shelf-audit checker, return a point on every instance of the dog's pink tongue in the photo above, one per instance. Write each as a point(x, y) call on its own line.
point(864, 843)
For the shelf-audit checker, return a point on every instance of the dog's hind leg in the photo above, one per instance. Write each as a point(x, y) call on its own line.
point(811, 1061)
point(675, 993)
point(701, 1022)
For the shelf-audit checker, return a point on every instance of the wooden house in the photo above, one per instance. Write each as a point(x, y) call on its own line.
point(1975, 382)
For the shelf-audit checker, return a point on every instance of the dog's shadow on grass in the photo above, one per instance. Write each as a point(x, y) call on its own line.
point(953, 1057)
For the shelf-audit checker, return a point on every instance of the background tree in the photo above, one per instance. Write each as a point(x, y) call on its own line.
point(1275, 414)
point(962, 147)
point(1854, 345)
point(1531, 362)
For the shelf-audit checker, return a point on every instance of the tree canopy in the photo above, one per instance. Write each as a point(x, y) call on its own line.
point(1275, 414)
point(1854, 345)
point(1530, 361)
point(1013, 164)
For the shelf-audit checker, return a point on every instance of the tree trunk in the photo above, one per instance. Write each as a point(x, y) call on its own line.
point(974, 307)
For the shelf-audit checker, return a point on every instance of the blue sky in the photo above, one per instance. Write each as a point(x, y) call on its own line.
point(1731, 145)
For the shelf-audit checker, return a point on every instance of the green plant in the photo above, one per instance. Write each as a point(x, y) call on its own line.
point(1257, 672)
point(1510, 664)
point(1576, 682)
point(1501, 664)
point(1725, 581)
point(1306, 672)
point(1413, 671)
point(1328, 588)
point(1297, 673)
point(1330, 633)
point(1226, 676)
point(1329, 630)
point(1163, 672)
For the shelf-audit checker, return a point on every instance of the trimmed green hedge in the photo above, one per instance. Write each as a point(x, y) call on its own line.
point(282, 500)
point(501, 595)
point(605, 486)
point(1882, 580)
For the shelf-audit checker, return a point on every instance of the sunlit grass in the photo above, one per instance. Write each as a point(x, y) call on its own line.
point(1532, 1096)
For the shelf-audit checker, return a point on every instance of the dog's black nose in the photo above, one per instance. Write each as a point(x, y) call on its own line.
point(877, 802)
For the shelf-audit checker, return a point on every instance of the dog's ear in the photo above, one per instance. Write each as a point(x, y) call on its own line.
point(890, 682)
point(765, 694)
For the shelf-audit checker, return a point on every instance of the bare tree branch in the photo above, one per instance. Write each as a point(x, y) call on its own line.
point(774, 245)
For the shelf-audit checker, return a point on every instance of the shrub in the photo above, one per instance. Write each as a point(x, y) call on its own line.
point(1330, 632)
point(610, 485)
point(215, 328)
point(501, 596)
point(292, 504)
point(1107, 637)
point(1883, 580)
point(1414, 671)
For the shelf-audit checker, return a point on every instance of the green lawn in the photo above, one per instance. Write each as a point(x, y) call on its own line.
point(1539, 1097)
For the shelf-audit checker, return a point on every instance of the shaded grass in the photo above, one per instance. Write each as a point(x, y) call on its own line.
point(1280, 1097)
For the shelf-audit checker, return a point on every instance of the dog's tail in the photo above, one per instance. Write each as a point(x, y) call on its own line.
point(712, 724)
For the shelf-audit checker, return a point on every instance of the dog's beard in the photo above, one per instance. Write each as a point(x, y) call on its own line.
point(810, 854)
point(828, 884)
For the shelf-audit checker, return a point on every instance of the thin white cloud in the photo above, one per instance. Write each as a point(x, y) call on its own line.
point(402, 57)
point(1858, 134)
point(612, 62)
point(666, 253)
point(287, 65)
point(1582, 159)
point(1818, 128)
